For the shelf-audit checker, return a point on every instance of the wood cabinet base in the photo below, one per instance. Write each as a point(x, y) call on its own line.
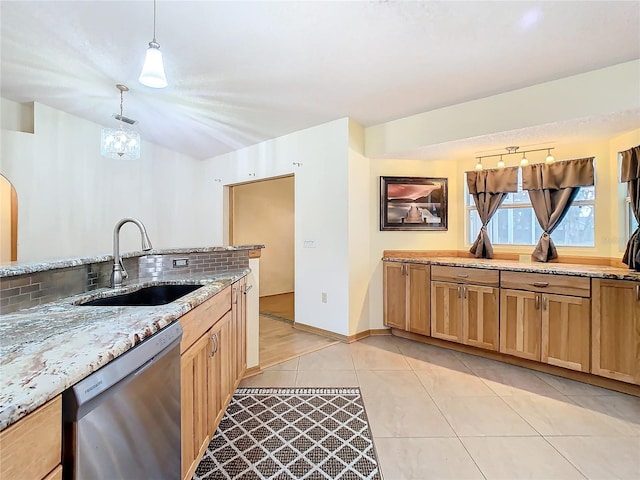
point(521, 362)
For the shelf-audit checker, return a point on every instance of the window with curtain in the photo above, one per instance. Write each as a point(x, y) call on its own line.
point(515, 222)
point(631, 223)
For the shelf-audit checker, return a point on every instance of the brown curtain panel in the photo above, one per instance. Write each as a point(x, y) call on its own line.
point(552, 188)
point(489, 188)
point(631, 175)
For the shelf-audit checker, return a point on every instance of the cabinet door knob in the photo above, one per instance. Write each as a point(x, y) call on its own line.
point(537, 301)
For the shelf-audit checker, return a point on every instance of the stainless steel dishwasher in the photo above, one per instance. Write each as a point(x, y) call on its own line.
point(123, 421)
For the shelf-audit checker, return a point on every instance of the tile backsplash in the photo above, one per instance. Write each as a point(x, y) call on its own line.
point(33, 289)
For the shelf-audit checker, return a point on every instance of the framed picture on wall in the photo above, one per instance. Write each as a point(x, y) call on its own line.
point(413, 203)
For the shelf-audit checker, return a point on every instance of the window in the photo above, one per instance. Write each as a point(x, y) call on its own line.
point(515, 222)
point(632, 223)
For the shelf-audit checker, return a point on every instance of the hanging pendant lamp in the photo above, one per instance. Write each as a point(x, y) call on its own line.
point(120, 143)
point(152, 74)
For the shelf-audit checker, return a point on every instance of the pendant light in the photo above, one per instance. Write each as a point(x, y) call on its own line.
point(524, 162)
point(152, 74)
point(479, 164)
point(500, 162)
point(120, 143)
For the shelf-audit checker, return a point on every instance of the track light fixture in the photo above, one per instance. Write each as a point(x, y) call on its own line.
point(512, 151)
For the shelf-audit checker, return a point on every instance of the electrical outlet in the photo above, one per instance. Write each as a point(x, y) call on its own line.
point(324, 297)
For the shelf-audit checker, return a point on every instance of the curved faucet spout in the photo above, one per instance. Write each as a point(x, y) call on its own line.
point(118, 272)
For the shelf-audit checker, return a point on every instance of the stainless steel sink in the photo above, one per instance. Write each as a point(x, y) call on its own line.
point(146, 296)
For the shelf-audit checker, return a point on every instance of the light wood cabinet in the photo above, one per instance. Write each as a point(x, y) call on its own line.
point(548, 320)
point(446, 311)
point(31, 448)
point(616, 329)
point(194, 402)
point(406, 297)
point(520, 323)
point(566, 331)
point(464, 307)
point(213, 359)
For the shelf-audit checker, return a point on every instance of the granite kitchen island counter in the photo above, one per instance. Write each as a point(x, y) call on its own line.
point(47, 349)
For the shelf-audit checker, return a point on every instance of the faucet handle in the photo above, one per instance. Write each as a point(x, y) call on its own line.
point(124, 271)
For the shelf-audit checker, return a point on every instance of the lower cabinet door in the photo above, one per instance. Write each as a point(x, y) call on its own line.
point(395, 295)
point(520, 323)
point(194, 403)
point(446, 311)
point(480, 316)
point(566, 332)
point(419, 298)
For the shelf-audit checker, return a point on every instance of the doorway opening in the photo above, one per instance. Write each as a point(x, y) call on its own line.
point(9, 221)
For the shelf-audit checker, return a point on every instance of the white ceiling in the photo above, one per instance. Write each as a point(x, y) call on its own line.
point(242, 72)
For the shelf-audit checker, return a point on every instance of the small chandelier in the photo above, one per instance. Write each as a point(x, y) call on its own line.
point(152, 74)
point(120, 143)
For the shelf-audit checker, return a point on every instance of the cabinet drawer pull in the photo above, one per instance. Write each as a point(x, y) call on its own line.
point(459, 292)
point(235, 296)
point(638, 293)
point(541, 284)
point(544, 302)
point(464, 292)
point(214, 341)
point(247, 288)
point(462, 275)
point(537, 302)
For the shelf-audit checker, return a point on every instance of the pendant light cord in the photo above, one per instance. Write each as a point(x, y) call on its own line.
point(154, 21)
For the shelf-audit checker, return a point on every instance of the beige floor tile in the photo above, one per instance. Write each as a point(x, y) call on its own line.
point(272, 378)
point(336, 357)
point(425, 458)
point(377, 356)
point(474, 361)
point(622, 407)
point(328, 378)
point(444, 382)
point(389, 382)
point(562, 416)
point(482, 416)
point(601, 457)
point(288, 365)
point(512, 380)
point(414, 416)
point(421, 356)
point(571, 387)
point(512, 458)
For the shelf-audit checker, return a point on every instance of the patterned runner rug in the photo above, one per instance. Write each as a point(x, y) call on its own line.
point(292, 433)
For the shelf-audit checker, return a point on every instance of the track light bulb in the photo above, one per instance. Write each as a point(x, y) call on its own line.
point(549, 158)
point(524, 162)
point(479, 165)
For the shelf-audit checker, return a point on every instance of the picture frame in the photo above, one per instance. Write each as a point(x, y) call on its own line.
point(413, 203)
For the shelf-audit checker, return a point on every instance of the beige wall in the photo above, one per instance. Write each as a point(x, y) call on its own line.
point(263, 213)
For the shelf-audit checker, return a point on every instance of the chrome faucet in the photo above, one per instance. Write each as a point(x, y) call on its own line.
point(119, 273)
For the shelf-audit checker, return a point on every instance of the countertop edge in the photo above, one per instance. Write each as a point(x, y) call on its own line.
point(579, 270)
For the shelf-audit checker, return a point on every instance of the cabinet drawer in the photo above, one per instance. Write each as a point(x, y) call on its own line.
point(32, 447)
point(475, 276)
point(546, 283)
point(197, 321)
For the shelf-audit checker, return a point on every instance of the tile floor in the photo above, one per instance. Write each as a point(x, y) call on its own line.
point(435, 413)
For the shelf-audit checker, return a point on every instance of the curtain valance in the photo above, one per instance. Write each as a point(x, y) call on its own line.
point(630, 164)
point(500, 180)
point(558, 175)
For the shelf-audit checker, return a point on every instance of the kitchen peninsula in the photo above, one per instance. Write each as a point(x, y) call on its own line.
point(50, 347)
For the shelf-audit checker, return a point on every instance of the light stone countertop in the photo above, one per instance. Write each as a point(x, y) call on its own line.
point(579, 270)
point(10, 269)
point(47, 349)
